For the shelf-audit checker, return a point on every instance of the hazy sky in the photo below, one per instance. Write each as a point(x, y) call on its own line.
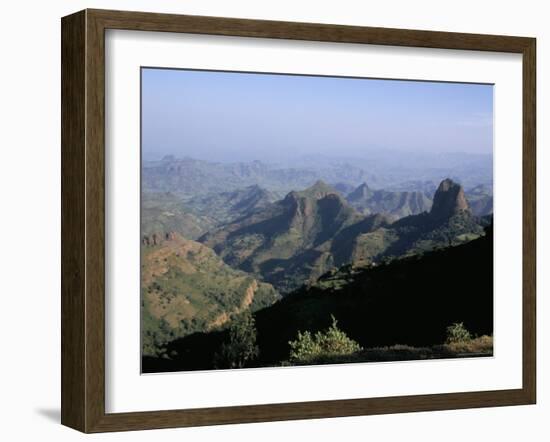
point(239, 116)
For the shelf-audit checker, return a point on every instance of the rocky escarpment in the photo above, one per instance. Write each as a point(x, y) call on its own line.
point(449, 200)
point(155, 239)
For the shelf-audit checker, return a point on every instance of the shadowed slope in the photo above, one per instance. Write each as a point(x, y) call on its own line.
point(409, 301)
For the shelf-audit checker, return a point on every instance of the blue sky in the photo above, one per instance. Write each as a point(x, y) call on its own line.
point(225, 116)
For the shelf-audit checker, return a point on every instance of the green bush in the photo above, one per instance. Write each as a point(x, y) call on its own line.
point(308, 348)
point(240, 347)
point(457, 333)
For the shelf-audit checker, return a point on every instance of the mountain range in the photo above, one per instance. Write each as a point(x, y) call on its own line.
point(191, 177)
point(393, 203)
point(193, 217)
point(297, 239)
point(223, 239)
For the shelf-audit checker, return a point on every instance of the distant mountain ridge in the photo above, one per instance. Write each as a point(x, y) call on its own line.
point(480, 199)
point(192, 177)
point(396, 204)
point(227, 206)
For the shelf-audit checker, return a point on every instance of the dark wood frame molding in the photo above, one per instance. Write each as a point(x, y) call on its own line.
point(83, 216)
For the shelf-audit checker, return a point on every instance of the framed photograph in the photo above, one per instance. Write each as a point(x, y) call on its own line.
point(270, 220)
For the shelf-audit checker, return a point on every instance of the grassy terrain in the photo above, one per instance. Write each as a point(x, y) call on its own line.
point(186, 288)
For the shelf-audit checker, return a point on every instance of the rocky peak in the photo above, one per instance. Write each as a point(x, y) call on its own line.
point(449, 199)
point(361, 193)
point(317, 191)
point(254, 188)
point(260, 192)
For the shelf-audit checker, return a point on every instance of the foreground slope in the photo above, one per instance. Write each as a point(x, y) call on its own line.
point(409, 301)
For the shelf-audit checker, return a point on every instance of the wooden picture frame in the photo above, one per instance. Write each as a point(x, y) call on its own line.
point(83, 220)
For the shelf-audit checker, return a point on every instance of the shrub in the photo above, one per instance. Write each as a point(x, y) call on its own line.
point(304, 347)
point(457, 333)
point(308, 348)
point(240, 347)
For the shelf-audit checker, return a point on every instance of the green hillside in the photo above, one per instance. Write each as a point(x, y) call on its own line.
point(288, 243)
point(186, 288)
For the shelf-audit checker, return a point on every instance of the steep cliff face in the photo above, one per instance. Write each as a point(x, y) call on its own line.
point(449, 200)
point(361, 193)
